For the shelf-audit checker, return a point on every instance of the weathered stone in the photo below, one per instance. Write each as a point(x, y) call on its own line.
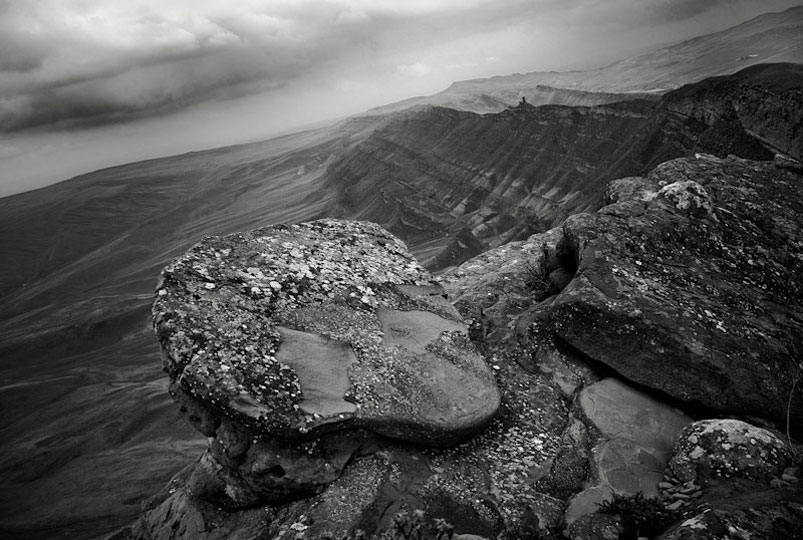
point(595, 526)
point(710, 449)
point(636, 438)
point(697, 292)
point(742, 513)
point(630, 188)
point(277, 339)
point(689, 196)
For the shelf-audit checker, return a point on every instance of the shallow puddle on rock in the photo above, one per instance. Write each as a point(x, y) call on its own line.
point(413, 329)
point(321, 365)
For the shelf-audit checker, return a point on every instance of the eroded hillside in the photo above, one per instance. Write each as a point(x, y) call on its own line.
point(498, 177)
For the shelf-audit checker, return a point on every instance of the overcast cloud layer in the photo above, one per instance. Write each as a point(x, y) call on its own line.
point(89, 83)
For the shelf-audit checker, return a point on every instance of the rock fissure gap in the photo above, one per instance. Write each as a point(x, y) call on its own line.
point(602, 370)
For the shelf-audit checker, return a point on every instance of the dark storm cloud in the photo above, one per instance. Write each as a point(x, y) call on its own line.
point(73, 63)
point(85, 73)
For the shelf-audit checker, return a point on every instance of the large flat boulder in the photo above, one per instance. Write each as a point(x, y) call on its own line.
point(278, 339)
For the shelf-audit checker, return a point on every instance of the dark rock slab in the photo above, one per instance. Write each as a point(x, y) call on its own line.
point(692, 284)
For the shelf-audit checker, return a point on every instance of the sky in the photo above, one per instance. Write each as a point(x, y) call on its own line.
point(86, 84)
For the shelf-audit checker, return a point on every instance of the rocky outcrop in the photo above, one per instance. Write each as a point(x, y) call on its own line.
point(513, 477)
point(697, 291)
point(572, 430)
point(644, 244)
point(688, 284)
point(293, 346)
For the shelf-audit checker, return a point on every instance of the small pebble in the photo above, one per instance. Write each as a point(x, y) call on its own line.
point(675, 505)
point(777, 483)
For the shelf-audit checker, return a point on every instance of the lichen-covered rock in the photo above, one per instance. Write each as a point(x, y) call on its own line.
point(697, 292)
point(710, 449)
point(277, 339)
point(534, 457)
point(632, 187)
point(689, 196)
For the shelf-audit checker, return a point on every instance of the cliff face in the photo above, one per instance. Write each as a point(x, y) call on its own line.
point(504, 176)
point(764, 100)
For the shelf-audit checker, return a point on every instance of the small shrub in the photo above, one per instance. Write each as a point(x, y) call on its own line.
point(640, 516)
point(537, 277)
point(407, 526)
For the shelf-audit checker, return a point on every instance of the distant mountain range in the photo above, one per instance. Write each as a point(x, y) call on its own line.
point(85, 402)
point(772, 37)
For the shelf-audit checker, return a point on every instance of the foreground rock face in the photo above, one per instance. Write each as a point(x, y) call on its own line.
point(570, 430)
point(278, 340)
point(692, 284)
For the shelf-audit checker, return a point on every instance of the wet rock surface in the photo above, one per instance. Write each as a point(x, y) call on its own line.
point(637, 434)
point(513, 477)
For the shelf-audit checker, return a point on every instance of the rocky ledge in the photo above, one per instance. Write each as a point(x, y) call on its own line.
point(608, 337)
point(291, 346)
